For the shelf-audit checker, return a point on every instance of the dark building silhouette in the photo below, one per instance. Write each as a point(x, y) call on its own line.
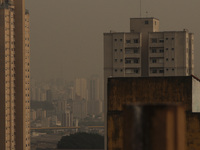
point(180, 91)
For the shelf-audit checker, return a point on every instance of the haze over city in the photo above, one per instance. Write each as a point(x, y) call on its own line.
point(67, 35)
point(104, 75)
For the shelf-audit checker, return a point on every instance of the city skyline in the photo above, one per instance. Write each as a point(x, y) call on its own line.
point(70, 41)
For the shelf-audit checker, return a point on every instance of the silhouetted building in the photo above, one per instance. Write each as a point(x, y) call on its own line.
point(182, 92)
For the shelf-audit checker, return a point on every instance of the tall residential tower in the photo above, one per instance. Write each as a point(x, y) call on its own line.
point(14, 76)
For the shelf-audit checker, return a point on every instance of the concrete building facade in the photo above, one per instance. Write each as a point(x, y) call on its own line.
point(181, 92)
point(147, 52)
point(15, 76)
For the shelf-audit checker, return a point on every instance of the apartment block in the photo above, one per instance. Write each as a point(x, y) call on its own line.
point(170, 53)
point(145, 51)
point(81, 90)
point(7, 104)
point(14, 76)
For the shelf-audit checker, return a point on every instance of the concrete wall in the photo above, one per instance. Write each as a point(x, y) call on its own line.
point(153, 90)
point(195, 96)
point(145, 125)
point(149, 90)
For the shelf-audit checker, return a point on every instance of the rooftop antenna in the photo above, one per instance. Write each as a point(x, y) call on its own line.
point(140, 8)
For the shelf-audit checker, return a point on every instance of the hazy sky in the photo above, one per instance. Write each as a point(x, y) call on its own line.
point(70, 32)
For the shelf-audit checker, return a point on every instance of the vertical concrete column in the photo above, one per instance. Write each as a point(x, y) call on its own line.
point(154, 127)
point(20, 75)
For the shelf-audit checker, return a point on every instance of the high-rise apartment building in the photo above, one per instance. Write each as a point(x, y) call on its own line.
point(145, 51)
point(14, 76)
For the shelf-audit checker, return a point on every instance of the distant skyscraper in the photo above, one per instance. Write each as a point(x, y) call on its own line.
point(71, 92)
point(81, 88)
point(14, 76)
point(94, 103)
point(66, 118)
point(145, 51)
point(49, 95)
point(94, 88)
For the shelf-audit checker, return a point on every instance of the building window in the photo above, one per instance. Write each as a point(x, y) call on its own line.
point(161, 50)
point(135, 50)
point(167, 69)
point(154, 40)
point(115, 50)
point(120, 50)
point(161, 71)
point(115, 40)
point(136, 61)
point(115, 60)
point(172, 48)
point(166, 59)
point(153, 50)
point(172, 38)
point(154, 71)
point(136, 40)
point(121, 70)
point(121, 40)
point(128, 51)
point(166, 48)
point(172, 69)
point(166, 38)
point(136, 70)
point(128, 61)
point(132, 70)
point(146, 22)
point(128, 41)
point(115, 70)
point(121, 60)
point(161, 41)
point(172, 59)
point(131, 60)
point(153, 60)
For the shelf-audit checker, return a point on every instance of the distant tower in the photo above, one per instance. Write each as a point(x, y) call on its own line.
point(14, 76)
point(81, 88)
point(49, 95)
point(94, 88)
